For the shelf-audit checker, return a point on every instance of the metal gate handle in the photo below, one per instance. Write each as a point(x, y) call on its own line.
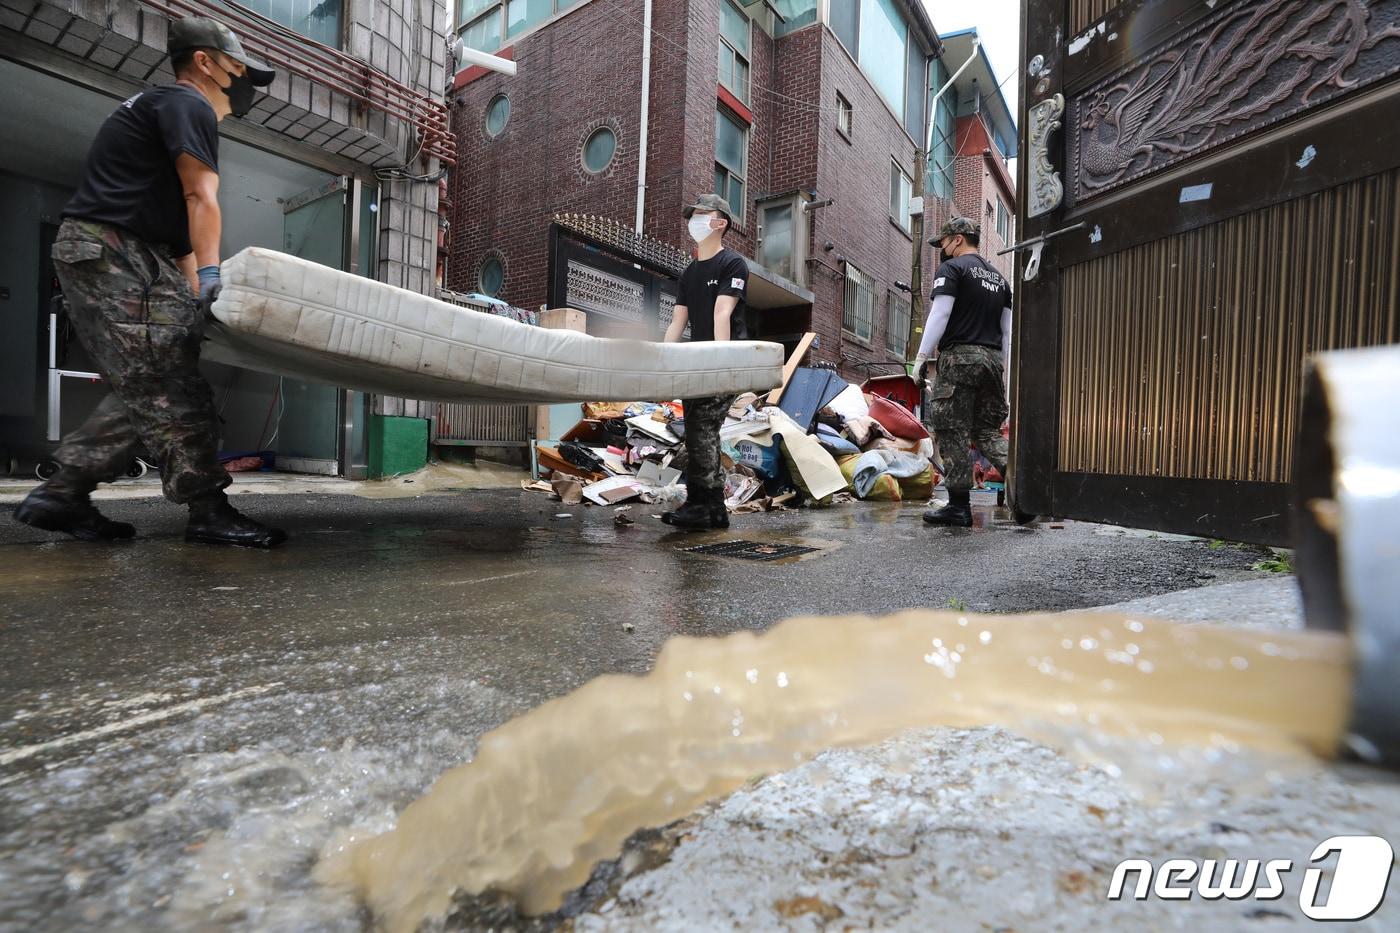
point(1036, 245)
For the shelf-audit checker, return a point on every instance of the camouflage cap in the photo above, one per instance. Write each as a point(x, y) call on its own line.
point(710, 202)
point(200, 32)
point(958, 226)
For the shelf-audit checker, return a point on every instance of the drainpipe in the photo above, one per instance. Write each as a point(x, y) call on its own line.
point(646, 116)
point(920, 230)
point(933, 109)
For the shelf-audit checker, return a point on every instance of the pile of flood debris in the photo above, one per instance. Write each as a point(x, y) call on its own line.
point(816, 441)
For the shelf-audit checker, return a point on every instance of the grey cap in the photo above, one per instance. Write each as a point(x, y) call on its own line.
point(958, 226)
point(710, 202)
point(199, 32)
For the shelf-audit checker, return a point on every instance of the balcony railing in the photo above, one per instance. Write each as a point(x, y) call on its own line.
point(330, 68)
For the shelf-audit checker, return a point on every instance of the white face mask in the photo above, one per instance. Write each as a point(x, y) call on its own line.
point(700, 227)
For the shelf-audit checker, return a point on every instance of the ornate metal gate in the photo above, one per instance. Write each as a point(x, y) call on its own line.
point(1224, 180)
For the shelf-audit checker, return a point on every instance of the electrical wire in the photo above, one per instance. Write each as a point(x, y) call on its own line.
point(281, 410)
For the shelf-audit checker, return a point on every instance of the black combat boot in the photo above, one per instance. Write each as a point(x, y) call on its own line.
point(703, 510)
point(957, 513)
point(214, 521)
point(62, 505)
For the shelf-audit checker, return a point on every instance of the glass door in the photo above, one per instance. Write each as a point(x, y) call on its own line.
point(309, 427)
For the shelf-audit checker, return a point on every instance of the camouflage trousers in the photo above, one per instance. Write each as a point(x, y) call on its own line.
point(703, 419)
point(136, 315)
point(968, 406)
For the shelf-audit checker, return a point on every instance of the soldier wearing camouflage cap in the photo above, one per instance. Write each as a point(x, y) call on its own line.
point(968, 332)
point(711, 300)
point(138, 258)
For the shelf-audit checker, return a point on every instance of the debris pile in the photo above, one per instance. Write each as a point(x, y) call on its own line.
point(817, 440)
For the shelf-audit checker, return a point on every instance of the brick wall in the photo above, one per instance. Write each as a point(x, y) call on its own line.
point(573, 78)
point(856, 173)
point(585, 70)
point(979, 180)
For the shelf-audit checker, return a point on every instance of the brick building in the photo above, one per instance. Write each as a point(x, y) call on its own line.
point(982, 141)
point(337, 162)
point(807, 114)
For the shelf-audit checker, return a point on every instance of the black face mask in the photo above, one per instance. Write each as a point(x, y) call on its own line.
point(240, 93)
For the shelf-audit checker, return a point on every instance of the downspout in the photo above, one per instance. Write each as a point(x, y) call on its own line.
point(933, 108)
point(646, 116)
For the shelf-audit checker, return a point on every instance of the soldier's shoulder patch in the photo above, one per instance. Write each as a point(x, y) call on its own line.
point(737, 282)
point(940, 281)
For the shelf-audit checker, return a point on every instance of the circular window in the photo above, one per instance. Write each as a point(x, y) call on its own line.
point(599, 150)
point(491, 277)
point(497, 115)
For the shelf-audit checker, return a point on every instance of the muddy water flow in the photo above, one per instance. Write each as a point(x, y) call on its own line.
point(560, 788)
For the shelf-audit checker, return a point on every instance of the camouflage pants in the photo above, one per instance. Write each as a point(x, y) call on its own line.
point(968, 406)
point(703, 419)
point(135, 314)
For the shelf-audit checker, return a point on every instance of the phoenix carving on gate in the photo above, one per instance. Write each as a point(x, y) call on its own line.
point(1257, 62)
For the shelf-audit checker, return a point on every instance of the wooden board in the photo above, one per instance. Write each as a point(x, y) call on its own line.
point(791, 365)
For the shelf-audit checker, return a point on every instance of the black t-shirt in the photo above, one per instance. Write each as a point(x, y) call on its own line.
point(130, 179)
point(980, 295)
point(724, 273)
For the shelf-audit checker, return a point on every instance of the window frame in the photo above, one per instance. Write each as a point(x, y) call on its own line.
point(1003, 221)
point(744, 95)
point(481, 275)
point(799, 237)
point(491, 105)
point(858, 283)
point(583, 149)
point(724, 113)
point(342, 29)
point(904, 220)
point(846, 111)
point(498, 8)
point(891, 298)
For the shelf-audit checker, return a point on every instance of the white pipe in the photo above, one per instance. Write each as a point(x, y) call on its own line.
point(933, 109)
point(469, 56)
point(645, 117)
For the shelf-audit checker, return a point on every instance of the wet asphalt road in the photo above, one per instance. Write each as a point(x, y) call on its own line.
point(183, 728)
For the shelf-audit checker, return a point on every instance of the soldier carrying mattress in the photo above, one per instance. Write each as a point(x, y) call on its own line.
point(138, 258)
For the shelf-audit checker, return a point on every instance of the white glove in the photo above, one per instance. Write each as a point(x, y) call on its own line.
point(920, 369)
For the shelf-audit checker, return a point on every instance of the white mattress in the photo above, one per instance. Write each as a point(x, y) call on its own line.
point(284, 315)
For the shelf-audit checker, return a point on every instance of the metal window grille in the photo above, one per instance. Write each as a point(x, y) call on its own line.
point(897, 322)
point(481, 425)
point(859, 314)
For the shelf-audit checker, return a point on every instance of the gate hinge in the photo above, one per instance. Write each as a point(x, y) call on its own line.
point(1036, 245)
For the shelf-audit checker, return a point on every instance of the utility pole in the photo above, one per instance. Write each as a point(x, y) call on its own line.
point(916, 277)
point(921, 157)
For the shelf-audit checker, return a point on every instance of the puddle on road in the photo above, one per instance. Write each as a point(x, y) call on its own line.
point(560, 788)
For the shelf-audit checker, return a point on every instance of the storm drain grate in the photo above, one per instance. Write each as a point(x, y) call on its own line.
point(751, 550)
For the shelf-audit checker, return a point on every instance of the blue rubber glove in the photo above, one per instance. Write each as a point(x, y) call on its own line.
point(209, 285)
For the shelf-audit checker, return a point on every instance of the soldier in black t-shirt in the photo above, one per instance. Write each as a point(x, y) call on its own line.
point(969, 325)
point(711, 300)
point(138, 259)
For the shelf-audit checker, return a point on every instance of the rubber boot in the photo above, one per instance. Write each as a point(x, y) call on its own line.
point(213, 520)
point(62, 504)
point(957, 513)
point(719, 513)
point(703, 511)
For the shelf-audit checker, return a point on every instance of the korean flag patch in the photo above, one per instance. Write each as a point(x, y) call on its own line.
point(737, 283)
point(940, 282)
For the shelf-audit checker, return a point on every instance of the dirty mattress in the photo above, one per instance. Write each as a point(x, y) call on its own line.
point(284, 315)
